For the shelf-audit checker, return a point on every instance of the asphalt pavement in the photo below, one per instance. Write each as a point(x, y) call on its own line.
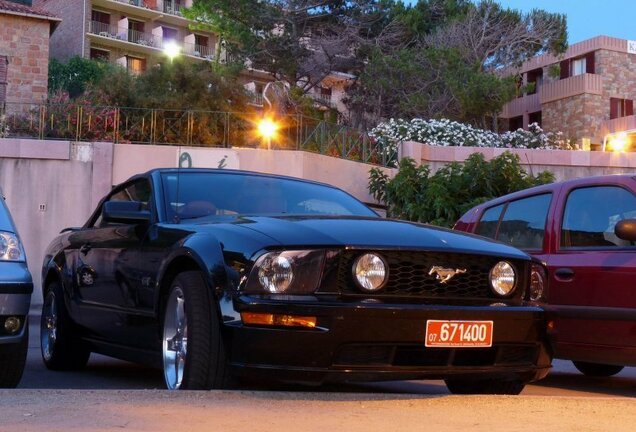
point(115, 395)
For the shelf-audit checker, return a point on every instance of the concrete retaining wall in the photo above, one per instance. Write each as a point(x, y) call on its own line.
point(564, 164)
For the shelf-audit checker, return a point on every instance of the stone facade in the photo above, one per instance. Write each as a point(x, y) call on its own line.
point(24, 41)
point(577, 117)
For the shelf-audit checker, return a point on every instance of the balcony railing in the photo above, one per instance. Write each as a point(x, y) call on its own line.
point(166, 6)
point(77, 122)
point(323, 99)
point(148, 40)
point(172, 7)
point(202, 51)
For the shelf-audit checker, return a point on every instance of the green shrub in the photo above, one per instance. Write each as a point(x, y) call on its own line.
point(440, 199)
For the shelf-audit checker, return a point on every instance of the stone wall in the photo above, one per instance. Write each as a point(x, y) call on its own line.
point(577, 117)
point(26, 43)
point(69, 38)
point(619, 75)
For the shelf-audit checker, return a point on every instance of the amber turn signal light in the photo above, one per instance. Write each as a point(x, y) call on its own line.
point(278, 320)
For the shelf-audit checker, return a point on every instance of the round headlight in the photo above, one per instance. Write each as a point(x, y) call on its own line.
point(503, 278)
point(370, 272)
point(276, 274)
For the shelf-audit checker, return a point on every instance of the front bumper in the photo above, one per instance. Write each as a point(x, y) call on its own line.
point(376, 340)
point(16, 288)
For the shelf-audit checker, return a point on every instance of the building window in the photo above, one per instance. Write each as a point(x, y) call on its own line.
point(135, 65)
point(535, 117)
point(100, 54)
point(535, 80)
point(515, 123)
point(135, 31)
point(578, 66)
point(621, 108)
point(100, 23)
point(169, 34)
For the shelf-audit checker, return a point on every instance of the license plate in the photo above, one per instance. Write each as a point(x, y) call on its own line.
point(458, 334)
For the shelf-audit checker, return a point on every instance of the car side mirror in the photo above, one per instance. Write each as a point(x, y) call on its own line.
point(626, 229)
point(127, 212)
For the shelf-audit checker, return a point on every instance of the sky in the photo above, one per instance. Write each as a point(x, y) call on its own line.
point(585, 18)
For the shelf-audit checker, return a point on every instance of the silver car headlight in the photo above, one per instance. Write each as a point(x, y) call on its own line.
point(10, 247)
point(503, 278)
point(289, 272)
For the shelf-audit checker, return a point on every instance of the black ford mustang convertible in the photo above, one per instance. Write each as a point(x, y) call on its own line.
point(217, 274)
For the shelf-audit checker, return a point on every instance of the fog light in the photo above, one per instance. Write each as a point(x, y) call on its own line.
point(278, 320)
point(370, 271)
point(12, 324)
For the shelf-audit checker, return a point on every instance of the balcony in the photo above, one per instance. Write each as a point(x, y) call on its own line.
point(323, 99)
point(147, 43)
point(518, 107)
point(553, 91)
point(169, 11)
point(201, 51)
point(573, 86)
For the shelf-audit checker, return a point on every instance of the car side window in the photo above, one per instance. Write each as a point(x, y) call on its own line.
point(523, 224)
point(487, 226)
point(591, 213)
point(137, 191)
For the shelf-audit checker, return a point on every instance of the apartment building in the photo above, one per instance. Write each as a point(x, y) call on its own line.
point(587, 93)
point(24, 53)
point(136, 34)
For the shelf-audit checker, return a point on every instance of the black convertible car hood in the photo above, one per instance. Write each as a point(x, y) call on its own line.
point(372, 233)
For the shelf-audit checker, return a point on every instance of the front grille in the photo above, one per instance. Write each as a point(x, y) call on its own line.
point(419, 356)
point(409, 274)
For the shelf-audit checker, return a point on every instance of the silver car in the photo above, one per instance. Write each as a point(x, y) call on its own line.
point(16, 287)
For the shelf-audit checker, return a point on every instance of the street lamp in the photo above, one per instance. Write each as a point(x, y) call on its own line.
point(172, 50)
point(617, 141)
point(267, 129)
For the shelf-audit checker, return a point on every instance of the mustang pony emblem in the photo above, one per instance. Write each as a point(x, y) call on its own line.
point(443, 275)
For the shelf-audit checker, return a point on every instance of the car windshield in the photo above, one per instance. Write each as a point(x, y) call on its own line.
point(191, 195)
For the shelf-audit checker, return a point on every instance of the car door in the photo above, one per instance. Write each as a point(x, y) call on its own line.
point(592, 272)
point(106, 271)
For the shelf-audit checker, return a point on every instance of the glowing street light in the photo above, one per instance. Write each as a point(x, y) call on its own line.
point(619, 142)
point(172, 50)
point(267, 129)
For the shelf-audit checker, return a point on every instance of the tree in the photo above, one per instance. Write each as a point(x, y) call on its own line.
point(451, 65)
point(74, 76)
point(300, 42)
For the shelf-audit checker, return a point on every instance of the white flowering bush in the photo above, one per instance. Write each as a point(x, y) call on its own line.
point(4, 127)
point(447, 133)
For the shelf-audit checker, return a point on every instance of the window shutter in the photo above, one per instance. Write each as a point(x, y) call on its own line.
point(565, 69)
point(614, 108)
point(629, 107)
point(589, 62)
point(4, 67)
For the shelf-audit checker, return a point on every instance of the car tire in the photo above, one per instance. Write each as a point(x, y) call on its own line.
point(12, 360)
point(485, 386)
point(597, 369)
point(60, 344)
point(193, 351)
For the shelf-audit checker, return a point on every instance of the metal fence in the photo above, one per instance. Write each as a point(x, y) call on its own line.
point(81, 122)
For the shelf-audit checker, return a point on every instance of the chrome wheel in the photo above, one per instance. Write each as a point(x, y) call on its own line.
point(48, 326)
point(175, 339)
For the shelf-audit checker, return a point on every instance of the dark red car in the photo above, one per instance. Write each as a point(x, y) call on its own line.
point(584, 231)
